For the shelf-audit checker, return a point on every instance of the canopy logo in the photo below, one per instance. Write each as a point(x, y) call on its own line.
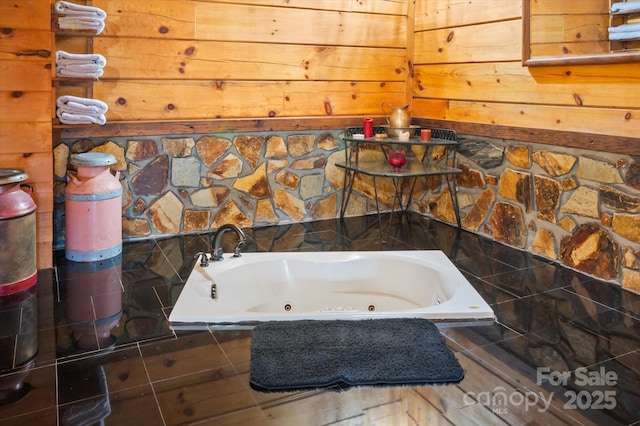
point(598, 392)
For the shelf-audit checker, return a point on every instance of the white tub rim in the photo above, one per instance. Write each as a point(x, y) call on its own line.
point(477, 310)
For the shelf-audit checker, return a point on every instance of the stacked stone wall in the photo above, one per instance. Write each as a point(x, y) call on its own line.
point(174, 185)
point(580, 208)
point(577, 207)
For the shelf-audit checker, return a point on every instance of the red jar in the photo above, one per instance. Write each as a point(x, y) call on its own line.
point(18, 269)
point(397, 159)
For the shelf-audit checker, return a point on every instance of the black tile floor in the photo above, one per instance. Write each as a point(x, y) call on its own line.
point(90, 344)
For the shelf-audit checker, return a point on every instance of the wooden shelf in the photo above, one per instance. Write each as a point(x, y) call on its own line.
point(204, 126)
point(72, 81)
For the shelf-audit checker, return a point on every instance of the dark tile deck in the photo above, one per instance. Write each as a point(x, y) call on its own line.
point(93, 345)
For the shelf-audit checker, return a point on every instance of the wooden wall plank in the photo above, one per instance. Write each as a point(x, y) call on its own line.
point(567, 119)
point(25, 45)
point(390, 7)
point(29, 14)
point(25, 138)
point(495, 41)
point(25, 75)
point(197, 60)
point(284, 25)
point(38, 165)
point(44, 238)
point(568, 49)
point(148, 18)
point(18, 106)
point(569, 28)
point(171, 100)
point(43, 253)
point(43, 197)
point(434, 14)
point(510, 82)
point(555, 7)
point(581, 140)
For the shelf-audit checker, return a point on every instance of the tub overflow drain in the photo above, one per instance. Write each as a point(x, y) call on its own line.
point(287, 307)
point(371, 308)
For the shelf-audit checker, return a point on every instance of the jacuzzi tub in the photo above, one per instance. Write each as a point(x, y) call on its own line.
point(280, 286)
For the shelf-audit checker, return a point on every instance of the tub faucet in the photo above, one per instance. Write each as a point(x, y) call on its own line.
point(217, 241)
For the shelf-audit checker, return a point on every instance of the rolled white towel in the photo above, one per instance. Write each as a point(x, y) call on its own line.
point(81, 23)
point(77, 105)
point(82, 67)
point(75, 108)
point(625, 7)
point(79, 71)
point(68, 8)
point(68, 118)
point(627, 35)
point(624, 28)
point(65, 58)
point(67, 62)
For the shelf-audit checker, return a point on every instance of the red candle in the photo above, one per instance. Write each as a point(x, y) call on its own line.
point(425, 134)
point(368, 127)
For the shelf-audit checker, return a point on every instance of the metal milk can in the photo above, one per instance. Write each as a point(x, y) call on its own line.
point(93, 209)
point(18, 269)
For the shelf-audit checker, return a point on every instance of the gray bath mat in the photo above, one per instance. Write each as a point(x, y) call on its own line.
point(337, 354)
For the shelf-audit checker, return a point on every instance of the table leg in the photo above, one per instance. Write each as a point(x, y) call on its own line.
point(453, 190)
point(375, 195)
point(349, 177)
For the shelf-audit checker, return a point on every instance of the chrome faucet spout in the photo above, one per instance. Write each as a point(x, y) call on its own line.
point(217, 241)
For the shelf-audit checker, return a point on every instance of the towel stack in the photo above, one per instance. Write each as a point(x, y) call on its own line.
point(75, 110)
point(83, 65)
point(626, 31)
point(79, 17)
point(626, 7)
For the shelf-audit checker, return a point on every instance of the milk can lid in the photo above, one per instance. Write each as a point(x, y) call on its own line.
point(12, 176)
point(92, 159)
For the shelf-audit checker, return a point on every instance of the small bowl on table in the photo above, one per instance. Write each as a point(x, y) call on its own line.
point(395, 132)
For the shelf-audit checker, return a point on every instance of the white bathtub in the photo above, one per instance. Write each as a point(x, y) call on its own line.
point(354, 285)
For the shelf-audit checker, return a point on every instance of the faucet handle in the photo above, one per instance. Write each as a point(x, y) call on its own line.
point(236, 250)
point(217, 254)
point(204, 260)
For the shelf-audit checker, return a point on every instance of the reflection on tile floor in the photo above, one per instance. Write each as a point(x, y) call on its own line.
point(565, 348)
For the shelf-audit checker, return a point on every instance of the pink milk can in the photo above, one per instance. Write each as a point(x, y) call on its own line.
point(93, 209)
point(18, 269)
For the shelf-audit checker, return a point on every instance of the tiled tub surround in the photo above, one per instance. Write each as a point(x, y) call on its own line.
point(576, 207)
point(548, 316)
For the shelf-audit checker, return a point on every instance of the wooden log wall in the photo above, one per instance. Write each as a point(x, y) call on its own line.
point(26, 104)
point(468, 71)
point(205, 59)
